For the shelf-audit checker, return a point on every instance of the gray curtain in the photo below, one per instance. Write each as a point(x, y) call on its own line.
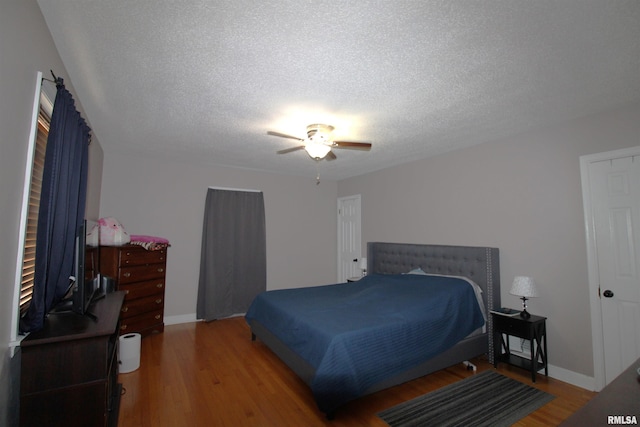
point(233, 261)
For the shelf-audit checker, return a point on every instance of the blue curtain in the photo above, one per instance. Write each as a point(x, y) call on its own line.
point(62, 204)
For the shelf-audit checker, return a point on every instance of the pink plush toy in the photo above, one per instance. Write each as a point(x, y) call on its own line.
point(112, 233)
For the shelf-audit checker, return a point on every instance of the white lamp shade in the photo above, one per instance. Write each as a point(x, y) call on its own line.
point(524, 286)
point(317, 151)
point(363, 264)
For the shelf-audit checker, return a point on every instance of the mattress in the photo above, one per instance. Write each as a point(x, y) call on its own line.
point(357, 334)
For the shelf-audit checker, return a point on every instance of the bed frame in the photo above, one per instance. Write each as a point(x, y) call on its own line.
point(480, 264)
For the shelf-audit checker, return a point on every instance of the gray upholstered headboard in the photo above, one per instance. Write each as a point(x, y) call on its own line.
point(480, 264)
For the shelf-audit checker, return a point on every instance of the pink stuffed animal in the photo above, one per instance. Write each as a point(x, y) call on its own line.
point(112, 233)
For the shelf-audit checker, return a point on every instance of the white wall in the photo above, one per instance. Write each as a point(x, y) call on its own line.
point(522, 195)
point(161, 197)
point(26, 47)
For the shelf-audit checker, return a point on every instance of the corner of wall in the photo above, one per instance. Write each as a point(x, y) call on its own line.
point(10, 388)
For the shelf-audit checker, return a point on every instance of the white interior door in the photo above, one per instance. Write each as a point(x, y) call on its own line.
point(614, 240)
point(349, 237)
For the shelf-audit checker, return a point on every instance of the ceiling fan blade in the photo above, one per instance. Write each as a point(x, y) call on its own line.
point(352, 145)
point(330, 156)
point(289, 150)
point(284, 135)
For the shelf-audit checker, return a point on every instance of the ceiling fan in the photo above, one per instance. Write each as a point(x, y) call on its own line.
point(318, 143)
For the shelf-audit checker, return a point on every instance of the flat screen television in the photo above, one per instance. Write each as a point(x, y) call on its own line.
point(86, 267)
point(85, 282)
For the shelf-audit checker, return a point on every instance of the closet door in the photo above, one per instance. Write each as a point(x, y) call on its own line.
point(349, 237)
point(612, 212)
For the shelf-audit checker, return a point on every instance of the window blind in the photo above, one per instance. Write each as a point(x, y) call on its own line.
point(29, 255)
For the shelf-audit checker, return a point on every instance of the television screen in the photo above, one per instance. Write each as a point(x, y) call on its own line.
point(86, 266)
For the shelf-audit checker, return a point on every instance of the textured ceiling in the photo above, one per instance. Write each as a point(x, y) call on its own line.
point(205, 80)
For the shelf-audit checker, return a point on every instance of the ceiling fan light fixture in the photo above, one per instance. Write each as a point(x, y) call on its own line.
point(317, 150)
point(319, 143)
point(319, 138)
point(319, 133)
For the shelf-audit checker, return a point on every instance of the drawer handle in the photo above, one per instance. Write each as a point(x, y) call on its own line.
point(159, 301)
point(128, 254)
point(126, 292)
point(125, 309)
point(160, 270)
point(127, 274)
point(123, 327)
point(157, 316)
point(159, 285)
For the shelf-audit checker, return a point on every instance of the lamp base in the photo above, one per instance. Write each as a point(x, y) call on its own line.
point(524, 313)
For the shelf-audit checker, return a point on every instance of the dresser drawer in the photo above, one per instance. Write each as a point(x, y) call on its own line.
point(143, 289)
point(141, 305)
point(140, 273)
point(141, 322)
point(515, 327)
point(140, 256)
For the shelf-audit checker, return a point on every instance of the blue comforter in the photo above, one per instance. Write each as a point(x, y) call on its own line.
point(357, 334)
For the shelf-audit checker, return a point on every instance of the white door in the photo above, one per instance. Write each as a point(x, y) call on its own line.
point(614, 240)
point(349, 240)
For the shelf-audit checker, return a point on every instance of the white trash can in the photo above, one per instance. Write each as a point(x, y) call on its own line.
point(129, 353)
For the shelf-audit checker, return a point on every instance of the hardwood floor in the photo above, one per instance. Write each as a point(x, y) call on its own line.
point(212, 374)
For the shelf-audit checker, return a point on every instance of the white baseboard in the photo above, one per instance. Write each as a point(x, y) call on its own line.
point(183, 318)
point(188, 318)
point(574, 378)
point(521, 348)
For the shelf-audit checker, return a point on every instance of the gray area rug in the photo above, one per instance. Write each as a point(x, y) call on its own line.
point(485, 399)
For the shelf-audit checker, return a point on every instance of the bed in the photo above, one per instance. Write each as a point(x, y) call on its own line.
point(343, 353)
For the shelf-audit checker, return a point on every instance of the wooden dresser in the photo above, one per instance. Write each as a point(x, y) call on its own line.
point(140, 273)
point(69, 373)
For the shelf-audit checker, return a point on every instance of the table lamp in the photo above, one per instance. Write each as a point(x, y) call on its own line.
point(363, 266)
point(524, 287)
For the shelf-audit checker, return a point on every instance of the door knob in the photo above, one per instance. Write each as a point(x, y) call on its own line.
point(607, 293)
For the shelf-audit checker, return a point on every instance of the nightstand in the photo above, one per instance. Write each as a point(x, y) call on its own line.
point(533, 329)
